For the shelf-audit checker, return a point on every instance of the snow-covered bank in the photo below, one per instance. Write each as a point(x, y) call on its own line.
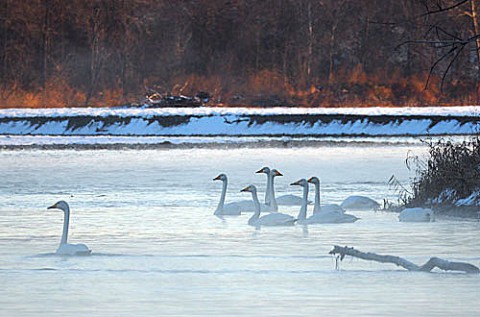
point(468, 111)
point(241, 121)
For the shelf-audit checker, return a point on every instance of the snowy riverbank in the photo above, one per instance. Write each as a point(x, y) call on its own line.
point(215, 121)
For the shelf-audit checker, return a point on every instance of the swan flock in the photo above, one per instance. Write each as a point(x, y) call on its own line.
point(321, 214)
point(331, 213)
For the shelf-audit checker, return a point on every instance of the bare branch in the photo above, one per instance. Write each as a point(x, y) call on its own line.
point(440, 9)
point(436, 63)
point(427, 267)
point(450, 65)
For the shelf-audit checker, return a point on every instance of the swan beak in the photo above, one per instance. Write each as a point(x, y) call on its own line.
point(260, 171)
point(277, 173)
point(295, 183)
point(52, 207)
point(246, 189)
point(310, 180)
point(217, 178)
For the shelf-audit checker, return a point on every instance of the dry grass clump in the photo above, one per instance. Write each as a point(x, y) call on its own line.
point(450, 173)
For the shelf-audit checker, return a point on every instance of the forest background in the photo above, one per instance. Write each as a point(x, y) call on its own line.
point(56, 53)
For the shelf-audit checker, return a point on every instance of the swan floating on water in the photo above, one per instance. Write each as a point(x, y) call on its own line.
point(359, 203)
point(325, 208)
point(232, 209)
point(322, 216)
point(272, 219)
point(284, 200)
point(416, 215)
point(270, 200)
point(66, 248)
point(302, 215)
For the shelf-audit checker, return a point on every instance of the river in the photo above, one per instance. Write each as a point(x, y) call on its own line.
point(158, 250)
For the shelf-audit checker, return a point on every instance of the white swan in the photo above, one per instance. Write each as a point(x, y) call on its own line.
point(270, 199)
point(359, 203)
point(325, 208)
point(231, 209)
point(66, 248)
point(416, 215)
point(302, 215)
point(272, 219)
point(284, 200)
point(322, 216)
point(268, 191)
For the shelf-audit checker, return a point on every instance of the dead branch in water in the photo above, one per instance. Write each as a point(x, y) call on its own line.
point(427, 267)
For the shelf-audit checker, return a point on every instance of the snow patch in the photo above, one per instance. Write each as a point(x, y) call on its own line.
point(472, 200)
point(241, 121)
point(126, 112)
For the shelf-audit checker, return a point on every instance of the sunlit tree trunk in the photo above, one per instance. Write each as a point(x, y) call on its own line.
point(311, 39)
point(336, 15)
point(476, 32)
point(94, 52)
point(5, 45)
point(331, 53)
point(46, 49)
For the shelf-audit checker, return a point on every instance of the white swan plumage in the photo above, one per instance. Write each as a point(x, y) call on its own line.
point(66, 248)
point(289, 200)
point(270, 197)
point(230, 209)
point(322, 216)
point(272, 219)
point(416, 215)
point(302, 215)
point(325, 208)
point(359, 203)
point(233, 208)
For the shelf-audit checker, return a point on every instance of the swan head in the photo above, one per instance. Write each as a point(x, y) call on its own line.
point(62, 205)
point(314, 180)
point(265, 170)
point(250, 188)
point(301, 182)
point(276, 173)
point(221, 177)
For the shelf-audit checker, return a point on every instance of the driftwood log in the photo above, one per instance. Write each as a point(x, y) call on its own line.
point(427, 267)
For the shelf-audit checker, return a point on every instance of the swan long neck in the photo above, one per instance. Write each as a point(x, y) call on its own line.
point(273, 200)
point(302, 215)
point(268, 190)
point(256, 203)
point(222, 196)
point(316, 207)
point(66, 221)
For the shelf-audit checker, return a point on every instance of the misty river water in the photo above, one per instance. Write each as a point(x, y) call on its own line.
point(159, 251)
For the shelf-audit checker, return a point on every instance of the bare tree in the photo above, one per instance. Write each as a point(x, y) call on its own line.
point(452, 29)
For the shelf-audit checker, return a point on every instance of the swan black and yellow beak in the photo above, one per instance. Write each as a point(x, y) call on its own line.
point(261, 171)
point(52, 207)
point(246, 189)
point(218, 178)
point(296, 183)
point(277, 173)
point(310, 180)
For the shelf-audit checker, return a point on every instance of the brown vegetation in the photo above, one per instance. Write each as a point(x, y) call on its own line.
point(450, 166)
point(451, 172)
point(57, 53)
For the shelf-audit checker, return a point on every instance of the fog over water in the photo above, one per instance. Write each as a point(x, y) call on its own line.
point(147, 215)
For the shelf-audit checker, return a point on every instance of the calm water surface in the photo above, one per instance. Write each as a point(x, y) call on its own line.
point(159, 251)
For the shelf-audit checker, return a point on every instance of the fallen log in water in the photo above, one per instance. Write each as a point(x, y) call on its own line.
point(427, 267)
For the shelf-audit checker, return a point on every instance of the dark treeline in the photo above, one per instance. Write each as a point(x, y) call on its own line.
point(328, 53)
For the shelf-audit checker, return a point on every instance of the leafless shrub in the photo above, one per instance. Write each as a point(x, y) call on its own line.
point(452, 168)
